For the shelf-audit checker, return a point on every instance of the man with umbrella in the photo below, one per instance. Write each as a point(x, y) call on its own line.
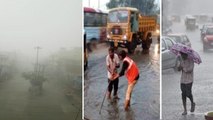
point(186, 66)
point(189, 57)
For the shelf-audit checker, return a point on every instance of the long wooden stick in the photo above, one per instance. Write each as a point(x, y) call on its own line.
point(104, 98)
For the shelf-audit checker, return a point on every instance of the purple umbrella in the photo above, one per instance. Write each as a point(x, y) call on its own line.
point(177, 48)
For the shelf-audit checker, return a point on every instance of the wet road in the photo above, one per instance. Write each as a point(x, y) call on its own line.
point(202, 86)
point(18, 104)
point(145, 98)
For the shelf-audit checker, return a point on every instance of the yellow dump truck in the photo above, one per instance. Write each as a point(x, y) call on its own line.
point(127, 28)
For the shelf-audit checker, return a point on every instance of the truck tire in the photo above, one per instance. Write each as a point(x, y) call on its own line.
point(131, 47)
point(146, 44)
point(149, 42)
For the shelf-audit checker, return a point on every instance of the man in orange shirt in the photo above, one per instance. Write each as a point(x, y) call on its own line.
point(130, 69)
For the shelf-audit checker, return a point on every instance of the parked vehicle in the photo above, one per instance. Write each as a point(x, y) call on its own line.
point(208, 39)
point(95, 22)
point(180, 38)
point(169, 59)
point(203, 30)
point(127, 28)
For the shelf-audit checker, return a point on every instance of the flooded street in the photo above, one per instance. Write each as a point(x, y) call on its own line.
point(202, 85)
point(145, 98)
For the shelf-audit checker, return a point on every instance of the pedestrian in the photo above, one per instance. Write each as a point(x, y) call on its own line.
point(186, 66)
point(129, 68)
point(112, 62)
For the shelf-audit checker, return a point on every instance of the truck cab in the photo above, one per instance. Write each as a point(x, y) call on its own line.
point(190, 23)
point(127, 28)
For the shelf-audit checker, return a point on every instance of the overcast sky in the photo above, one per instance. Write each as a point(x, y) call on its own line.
point(94, 3)
point(51, 24)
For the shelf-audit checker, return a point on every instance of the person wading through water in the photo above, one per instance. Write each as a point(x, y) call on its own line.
point(112, 62)
point(131, 70)
point(186, 66)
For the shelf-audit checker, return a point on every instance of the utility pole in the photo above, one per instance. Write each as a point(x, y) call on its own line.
point(37, 66)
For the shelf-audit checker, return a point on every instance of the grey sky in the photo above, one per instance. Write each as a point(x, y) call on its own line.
point(51, 24)
point(94, 3)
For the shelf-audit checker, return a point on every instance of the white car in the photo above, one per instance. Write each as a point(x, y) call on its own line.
point(169, 59)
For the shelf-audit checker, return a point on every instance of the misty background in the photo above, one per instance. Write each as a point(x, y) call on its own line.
point(183, 7)
point(176, 15)
point(44, 84)
point(51, 24)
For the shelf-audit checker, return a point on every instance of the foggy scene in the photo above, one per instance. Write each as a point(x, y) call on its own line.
point(105, 28)
point(186, 88)
point(40, 60)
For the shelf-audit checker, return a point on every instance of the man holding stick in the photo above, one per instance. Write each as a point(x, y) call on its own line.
point(112, 62)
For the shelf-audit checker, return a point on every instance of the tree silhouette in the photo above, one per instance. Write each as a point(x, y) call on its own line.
point(146, 7)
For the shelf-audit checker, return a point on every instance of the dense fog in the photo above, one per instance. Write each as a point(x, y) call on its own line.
point(53, 69)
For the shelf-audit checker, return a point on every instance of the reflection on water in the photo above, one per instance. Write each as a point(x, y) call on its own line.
point(145, 92)
point(156, 51)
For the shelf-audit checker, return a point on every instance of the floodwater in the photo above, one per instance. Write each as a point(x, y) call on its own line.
point(145, 103)
point(202, 90)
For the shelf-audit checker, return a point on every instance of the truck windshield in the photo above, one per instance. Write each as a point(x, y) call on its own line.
point(191, 21)
point(118, 16)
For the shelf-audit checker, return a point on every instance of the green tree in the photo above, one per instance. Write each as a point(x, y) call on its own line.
point(146, 7)
point(113, 4)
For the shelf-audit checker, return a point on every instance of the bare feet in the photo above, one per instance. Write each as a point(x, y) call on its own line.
point(192, 107)
point(116, 97)
point(184, 113)
point(126, 105)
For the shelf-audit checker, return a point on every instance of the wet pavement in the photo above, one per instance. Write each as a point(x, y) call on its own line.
point(202, 87)
point(18, 104)
point(145, 98)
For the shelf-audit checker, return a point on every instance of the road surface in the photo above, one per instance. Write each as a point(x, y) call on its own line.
point(17, 103)
point(202, 87)
point(145, 98)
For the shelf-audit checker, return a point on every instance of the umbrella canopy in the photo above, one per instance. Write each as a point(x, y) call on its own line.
point(177, 48)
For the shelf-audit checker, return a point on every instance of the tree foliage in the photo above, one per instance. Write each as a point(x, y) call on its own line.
point(146, 7)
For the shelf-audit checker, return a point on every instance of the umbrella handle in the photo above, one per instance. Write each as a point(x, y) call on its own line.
point(181, 59)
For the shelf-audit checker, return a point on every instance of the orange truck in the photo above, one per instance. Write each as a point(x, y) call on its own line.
point(127, 28)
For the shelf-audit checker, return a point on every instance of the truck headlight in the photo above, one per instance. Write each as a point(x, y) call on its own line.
point(125, 37)
point(108, 36)
point(157, 31)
